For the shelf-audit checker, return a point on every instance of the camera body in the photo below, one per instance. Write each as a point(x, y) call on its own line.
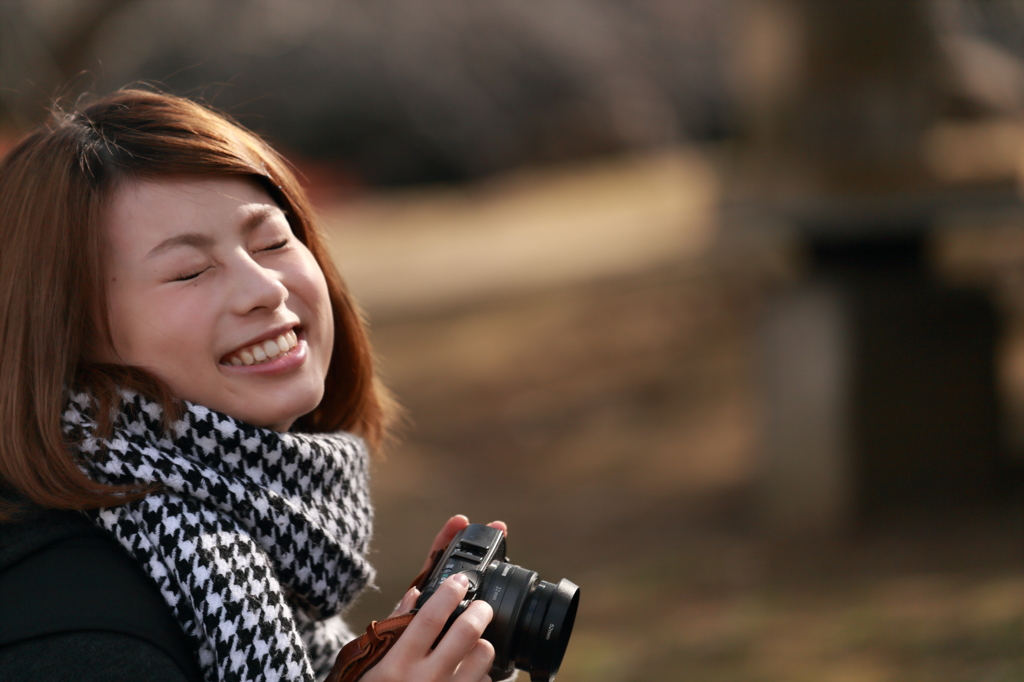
point(533, 619)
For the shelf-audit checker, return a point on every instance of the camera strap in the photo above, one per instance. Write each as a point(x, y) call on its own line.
point(365, 651)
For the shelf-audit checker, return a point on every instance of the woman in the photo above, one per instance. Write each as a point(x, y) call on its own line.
point(183, 364)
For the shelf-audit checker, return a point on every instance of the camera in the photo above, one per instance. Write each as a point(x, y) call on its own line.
point(533, 618)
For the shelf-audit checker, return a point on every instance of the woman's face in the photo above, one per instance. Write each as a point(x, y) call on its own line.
point(211, 291)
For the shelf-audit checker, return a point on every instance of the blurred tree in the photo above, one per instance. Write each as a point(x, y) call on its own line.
point(847, 106)
point(881, 380)
point(43, 48)
point(402, 90)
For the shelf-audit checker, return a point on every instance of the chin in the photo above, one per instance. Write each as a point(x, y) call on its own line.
point(282, 418)
point(274, 423)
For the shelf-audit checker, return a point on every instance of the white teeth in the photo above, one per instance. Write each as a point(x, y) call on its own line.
point(265, 351)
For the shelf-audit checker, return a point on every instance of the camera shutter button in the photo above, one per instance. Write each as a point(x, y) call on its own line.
point(474, 580)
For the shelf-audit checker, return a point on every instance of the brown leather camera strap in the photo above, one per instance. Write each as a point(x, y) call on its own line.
point(365, 651)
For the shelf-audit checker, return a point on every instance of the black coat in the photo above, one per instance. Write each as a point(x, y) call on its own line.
point(75, 606)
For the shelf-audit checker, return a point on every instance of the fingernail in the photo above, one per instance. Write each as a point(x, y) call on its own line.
point(461, 579)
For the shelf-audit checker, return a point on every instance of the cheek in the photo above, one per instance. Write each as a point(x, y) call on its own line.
point(120, 314)
point(328, 320)
point(329, 332)
point(144, 337)
point(317, 298)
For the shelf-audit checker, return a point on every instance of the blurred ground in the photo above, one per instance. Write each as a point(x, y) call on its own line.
point(611, 417)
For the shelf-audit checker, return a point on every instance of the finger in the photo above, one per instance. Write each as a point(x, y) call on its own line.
point(477, 663)
point(431, 618)
point(462, 637)
point(451, 527)
point(445, 535)
point(408, 601)
point(500, 525)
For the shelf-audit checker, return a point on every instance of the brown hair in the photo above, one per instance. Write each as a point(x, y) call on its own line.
point(54, 185)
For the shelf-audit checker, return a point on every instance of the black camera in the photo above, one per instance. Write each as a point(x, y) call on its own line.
point(532, 618)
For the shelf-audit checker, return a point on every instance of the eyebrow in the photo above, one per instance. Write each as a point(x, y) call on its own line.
point(198, 240)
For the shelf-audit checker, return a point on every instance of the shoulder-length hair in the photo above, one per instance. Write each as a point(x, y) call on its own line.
point(54, 187)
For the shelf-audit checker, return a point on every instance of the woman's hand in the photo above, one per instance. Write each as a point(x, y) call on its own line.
point(461, 656)
point(451, 527)
point(465, 657)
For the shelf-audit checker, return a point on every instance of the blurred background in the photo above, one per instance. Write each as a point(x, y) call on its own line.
point(718, 303)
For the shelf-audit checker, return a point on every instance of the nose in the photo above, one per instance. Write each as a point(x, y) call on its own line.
point(257, 287)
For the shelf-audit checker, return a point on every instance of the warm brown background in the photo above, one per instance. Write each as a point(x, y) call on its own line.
point(537, 203)
point(615, 423)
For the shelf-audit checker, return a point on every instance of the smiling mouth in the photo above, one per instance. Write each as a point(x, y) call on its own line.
point(264, 351)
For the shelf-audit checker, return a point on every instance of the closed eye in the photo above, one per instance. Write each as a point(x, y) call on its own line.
point(278, 245)
point(185, 278)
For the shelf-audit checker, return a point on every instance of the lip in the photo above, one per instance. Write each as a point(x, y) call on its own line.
point(281, 364)
point(272, 334)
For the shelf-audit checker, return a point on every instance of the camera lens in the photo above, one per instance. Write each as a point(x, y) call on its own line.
point(551, 613)
point(532, 620)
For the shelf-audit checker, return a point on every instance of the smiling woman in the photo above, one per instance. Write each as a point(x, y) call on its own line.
point(205, 271)
point(187, 394)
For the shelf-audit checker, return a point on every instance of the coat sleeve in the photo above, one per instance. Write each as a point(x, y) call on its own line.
point(87, 656)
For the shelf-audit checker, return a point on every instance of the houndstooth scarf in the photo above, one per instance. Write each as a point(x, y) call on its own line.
point(256, 539)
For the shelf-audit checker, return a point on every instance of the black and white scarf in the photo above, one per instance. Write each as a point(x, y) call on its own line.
point(256, 539)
